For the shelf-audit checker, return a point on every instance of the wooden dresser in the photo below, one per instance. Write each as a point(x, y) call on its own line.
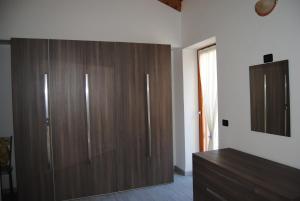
point(231, 175)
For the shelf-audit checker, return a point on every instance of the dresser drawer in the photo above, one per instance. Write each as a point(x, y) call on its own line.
point(202, 192)
point(209, 195)
point(231, 175)
point(217, 184)
point(267, 195)
point(209, 169)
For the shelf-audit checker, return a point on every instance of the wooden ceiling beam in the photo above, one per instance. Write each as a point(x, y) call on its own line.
point(176, 4)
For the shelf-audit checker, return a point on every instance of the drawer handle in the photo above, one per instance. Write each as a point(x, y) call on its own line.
point(216, 195)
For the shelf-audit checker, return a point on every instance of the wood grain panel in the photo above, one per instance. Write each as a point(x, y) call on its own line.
point(119, 137)
point(160, 165)
point(158, 193)
point(131, 116)
point(276, 98)
point(104, 96)
point(257, 99)
point(136, 167)
point(68, 115)
point(176, 4)
point(29, 64)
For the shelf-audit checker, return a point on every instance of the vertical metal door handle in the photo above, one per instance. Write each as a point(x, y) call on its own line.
point(87, 104)
point(148, 115)
point(285, 105)
point(47, 120)
point(265, 103)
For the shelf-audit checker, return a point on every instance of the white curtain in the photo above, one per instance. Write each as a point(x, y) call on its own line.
point(208, 71)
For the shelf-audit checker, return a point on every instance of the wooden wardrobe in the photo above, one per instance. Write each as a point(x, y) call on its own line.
point(90, 117)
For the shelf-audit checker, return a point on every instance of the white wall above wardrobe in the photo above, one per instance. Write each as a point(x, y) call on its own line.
point(147, 21)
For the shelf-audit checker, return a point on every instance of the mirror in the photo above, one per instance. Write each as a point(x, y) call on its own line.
point(270, 99)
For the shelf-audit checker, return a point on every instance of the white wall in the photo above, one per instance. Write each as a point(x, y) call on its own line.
point(106, 20)
point(178, 110)
point(147, 21)
point(242, 40)
point(191, 117)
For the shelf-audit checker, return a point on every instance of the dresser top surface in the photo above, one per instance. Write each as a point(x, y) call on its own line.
point(267, 174)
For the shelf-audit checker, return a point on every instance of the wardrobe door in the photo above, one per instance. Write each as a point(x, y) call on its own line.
point(258, 80)
point(278, 99)
point(160, 163)
point(103, 98)
point(32, 137)
point(68, 111)
point(131, 117)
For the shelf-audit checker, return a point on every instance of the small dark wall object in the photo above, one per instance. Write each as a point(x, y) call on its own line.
point(270, 99)
point(268, 58)
point(225, 123)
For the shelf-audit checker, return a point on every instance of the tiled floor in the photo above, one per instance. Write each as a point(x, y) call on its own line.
point(180, 190)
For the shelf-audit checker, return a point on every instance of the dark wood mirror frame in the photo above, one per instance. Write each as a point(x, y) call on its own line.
point(270, 98)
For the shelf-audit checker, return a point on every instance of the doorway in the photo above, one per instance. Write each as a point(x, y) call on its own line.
point(208, 98)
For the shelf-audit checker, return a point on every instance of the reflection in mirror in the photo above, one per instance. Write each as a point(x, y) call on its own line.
point(270, 101)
